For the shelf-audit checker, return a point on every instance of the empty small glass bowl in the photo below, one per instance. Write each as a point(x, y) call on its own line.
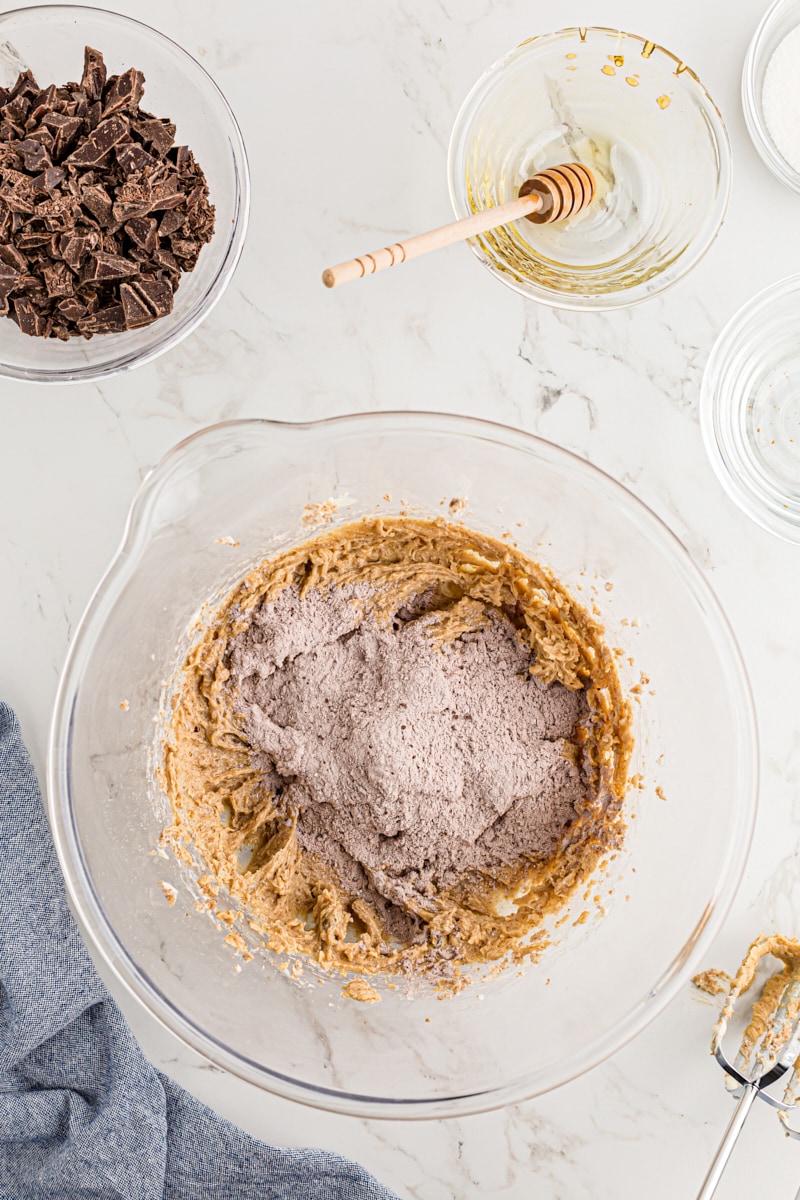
point(633, 113)
point(750, 408)
point(777, 22)
point(50, 40)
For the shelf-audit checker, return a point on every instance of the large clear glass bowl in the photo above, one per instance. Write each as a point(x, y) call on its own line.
point(49, 39)
point(640, 119)
point(665, 896)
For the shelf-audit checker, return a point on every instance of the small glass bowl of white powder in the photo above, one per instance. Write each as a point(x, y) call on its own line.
point(771, 91)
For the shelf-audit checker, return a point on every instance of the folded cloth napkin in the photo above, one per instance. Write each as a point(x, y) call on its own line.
point(83, 1114)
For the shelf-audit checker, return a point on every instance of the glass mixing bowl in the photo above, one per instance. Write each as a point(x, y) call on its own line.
point(750, 408)
point(50, 39)
point(645, 125)
point(216, 505)
point(778, 21)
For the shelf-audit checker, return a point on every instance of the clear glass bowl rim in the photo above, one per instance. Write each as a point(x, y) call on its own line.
point(630, 296)
point(731, 338)
point(752, 80)
point(133, 979)
point(126, 361)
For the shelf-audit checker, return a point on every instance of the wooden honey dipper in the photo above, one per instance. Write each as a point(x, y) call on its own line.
point(552, 195)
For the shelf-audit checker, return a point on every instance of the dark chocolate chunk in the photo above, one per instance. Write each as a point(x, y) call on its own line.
point(136, 311)
point(133, 158)
point(49, 179)
point(43, 103)
point(58, 280)
point(33, 239)
point(171, 221)
point(103, 266)
point(157, 135)
point(11, 256)
point(156, 293)
point(16, 202)
point(26, 85)
point(168, 194)
point(110, 319)
point(34, 156)
point(72, 248)
point(94, 74)
point(183, 157)
point(8, 280)
point(95, 151)
point(123, 92)
point(143, 232)
point(65, 137)
point(94, 112)
point(29, 318)
point(71, 309)
point(100, 213)
point(97, 200)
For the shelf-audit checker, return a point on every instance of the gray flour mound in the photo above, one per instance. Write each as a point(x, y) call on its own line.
point(406, 765)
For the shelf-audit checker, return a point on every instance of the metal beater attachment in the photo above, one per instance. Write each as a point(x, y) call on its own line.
point(769, 1049)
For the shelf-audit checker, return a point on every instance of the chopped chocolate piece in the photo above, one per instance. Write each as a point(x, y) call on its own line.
point(58, 280)
point(8, 280)
point(157, 295)
point(183, 247)
point(183, 157)
point(28, 317)
point(97, 200)
point(49, 179)
point(45, 136)
point(65, 137)
point(56, 120)
point(100, 213)
point(158, 135)
point(166, 259)
point(72, 247)
point(32, 240)
point(168, 194)
point(103, 266)
point(71, 309)
point(95, 151)
point(11, 256)
point(123, 92)
point(143, 232)
point(15, 180)
point(16, 203)
point(43, 103)
point(133, 158)
point(171, 221)
point(196, 195)
point(110, 319)
point(136, 311)
point(94, 73)
point(26, 85)
point(34, 156)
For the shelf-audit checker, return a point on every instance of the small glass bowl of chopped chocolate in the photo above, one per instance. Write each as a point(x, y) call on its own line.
point(124, 194)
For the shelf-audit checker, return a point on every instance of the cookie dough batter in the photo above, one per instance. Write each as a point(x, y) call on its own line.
point(398, 746)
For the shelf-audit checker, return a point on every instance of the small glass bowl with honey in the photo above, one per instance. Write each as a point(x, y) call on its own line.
point(643, 123)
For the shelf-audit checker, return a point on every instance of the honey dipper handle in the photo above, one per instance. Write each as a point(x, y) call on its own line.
point(434, 239)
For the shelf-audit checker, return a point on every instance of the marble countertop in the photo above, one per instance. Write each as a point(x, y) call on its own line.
point(346, 111)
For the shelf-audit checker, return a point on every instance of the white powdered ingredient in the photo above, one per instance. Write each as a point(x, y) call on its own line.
point(780, 98)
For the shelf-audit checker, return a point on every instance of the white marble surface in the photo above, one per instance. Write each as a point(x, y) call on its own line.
point(346, 110)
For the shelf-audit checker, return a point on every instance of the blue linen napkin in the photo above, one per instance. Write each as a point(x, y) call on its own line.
point(83, 1114)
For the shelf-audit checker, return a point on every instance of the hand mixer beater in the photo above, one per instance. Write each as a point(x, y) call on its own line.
point(770, 1046)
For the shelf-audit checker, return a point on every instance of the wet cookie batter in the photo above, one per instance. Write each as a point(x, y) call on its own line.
point(399, 746)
